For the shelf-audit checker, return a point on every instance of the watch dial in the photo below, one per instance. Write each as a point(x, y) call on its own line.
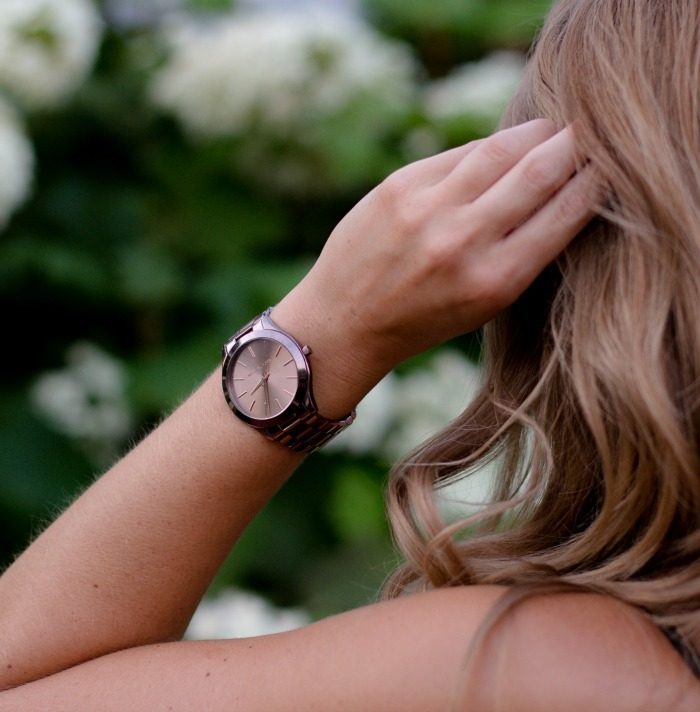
point(263, 379)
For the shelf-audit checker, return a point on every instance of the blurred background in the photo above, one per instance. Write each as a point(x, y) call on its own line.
point(168, 169)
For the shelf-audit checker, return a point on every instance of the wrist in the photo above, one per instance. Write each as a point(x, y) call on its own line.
point(343, 367)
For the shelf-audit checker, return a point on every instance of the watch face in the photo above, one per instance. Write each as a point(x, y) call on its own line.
point(263, 378)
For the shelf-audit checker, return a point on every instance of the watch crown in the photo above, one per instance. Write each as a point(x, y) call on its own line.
point(306, 350)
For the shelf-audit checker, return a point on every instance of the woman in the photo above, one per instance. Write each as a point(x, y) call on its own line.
point(591, 402)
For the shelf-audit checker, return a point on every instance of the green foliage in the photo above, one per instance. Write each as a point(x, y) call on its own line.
point(210, 4)
point(355, 505)
point(155, 247)
point(446, 32)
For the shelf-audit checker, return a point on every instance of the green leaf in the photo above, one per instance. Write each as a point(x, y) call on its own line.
point(356, 506)
point(159, 381)
point(147, 275)
point(40, 472)
point(59, 264)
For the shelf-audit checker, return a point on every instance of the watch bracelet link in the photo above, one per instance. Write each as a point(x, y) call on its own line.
point(308, 432)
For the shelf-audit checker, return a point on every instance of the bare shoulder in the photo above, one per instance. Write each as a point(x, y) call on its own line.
point(572, 651)
point(582, 652)
point(557, 652)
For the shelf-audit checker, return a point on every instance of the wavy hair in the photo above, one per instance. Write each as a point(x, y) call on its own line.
point(590, 406)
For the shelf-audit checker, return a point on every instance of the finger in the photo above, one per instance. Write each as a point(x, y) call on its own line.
point(433, 169)
point(494, 158)
point(530, 184)
point(528, 250)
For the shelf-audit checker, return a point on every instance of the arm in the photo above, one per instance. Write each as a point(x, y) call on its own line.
point(126, 564)
point(573, 652)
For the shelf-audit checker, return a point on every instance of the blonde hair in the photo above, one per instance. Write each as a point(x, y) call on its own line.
point(591, 400)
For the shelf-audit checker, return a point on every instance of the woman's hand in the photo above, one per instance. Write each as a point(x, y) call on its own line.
point(439, 248)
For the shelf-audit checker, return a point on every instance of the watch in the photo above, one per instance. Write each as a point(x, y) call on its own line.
point(267, 383)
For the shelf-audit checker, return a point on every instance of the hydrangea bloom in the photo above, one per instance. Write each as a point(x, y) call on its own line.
point(402, 411)
point(16, 163)
point(477, 89)
point(238, 614)
point(375, 415)
point(86, 400)
point(307, 93)
point(47, 48)
point(427, 399)
point(277, 71)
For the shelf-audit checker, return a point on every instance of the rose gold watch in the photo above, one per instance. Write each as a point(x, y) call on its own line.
point(267, 383)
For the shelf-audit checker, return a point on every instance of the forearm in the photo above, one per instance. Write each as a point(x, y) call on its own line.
point(128, 562)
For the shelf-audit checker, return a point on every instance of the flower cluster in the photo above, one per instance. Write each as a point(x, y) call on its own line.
point(238, 614)
point(476, 90)
point(285, 78)
point(16, 163)
point(402, 411)
point(47, 48)
point(86, 400)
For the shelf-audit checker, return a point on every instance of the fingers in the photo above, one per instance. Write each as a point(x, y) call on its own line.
point(496, 155)
point(530, 184)
point(493, 158)
point(528, 250)
point(433, 169)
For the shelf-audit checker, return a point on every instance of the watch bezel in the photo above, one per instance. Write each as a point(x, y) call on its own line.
point(233, 349)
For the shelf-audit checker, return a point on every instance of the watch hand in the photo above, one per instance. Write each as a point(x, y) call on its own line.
point(260, 383)
point(266, 388)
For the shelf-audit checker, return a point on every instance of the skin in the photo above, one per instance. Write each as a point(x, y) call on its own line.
point(92, 612)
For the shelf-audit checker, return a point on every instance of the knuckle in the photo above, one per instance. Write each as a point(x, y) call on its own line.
point(396, 187)
point(408, 207)
point(440, 253)
point(541, 172)
point(411, 215)
point(478, 286)
point(501, 147)
point(571, 207)
point(493, 286)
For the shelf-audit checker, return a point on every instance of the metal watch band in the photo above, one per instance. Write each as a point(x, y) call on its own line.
point(304, 432)
point(307, 432)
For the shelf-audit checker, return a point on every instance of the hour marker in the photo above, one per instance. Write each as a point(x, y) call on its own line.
point(288, 362)
point(252, 405)
point(291, 378)
point(239, 378)
point(287, 392)
point(277, 400)
point(277, 353)
point(240, 395)
point(245, 365)
point(252, 353)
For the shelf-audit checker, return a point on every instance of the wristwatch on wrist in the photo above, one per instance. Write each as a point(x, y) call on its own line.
point(267, 383)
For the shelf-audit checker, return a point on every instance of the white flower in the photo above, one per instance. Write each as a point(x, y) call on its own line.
point(87, 399)
point(237, 614)
point(375, 415)
point(468, 494)
point(47, 48)
point(16, 163)
point(428, 399)
point(276, 71)
point(479, 89)
point(401, 412)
